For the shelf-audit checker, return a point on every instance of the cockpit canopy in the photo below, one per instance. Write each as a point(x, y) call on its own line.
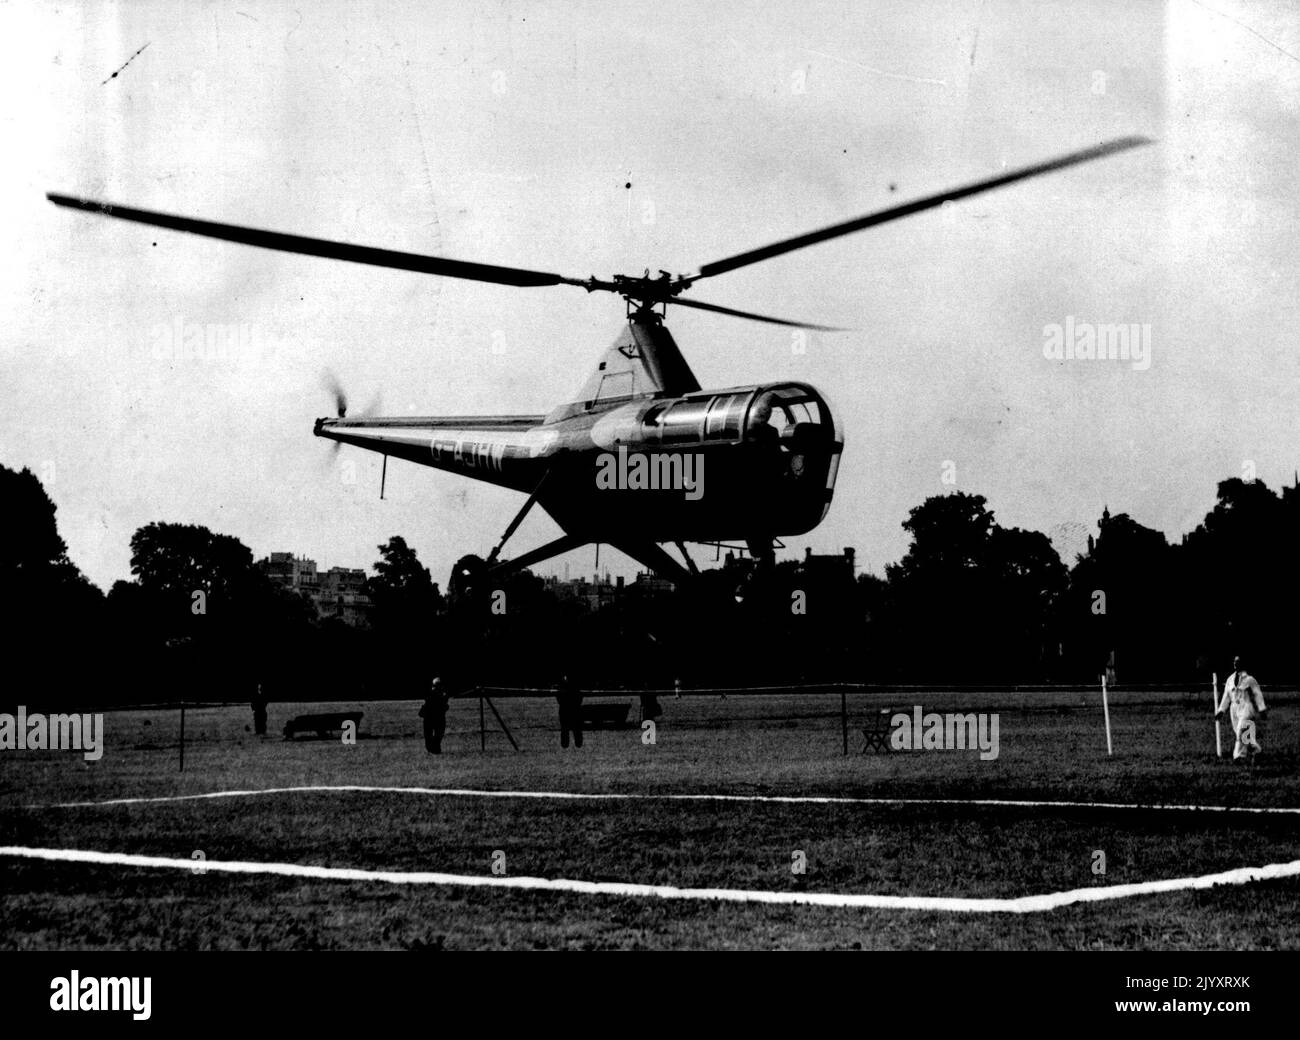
point(792, 415)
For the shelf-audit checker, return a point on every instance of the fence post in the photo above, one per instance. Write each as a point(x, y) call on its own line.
point(1105, 707)
point(1214, 707)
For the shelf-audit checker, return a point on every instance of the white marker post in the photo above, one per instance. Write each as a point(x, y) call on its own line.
point(1214, 708)
point(1105, 707)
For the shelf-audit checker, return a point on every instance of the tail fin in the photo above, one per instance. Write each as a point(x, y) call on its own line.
point(643, 361)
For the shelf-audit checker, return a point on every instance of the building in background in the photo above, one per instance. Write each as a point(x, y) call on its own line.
point(342, 594)
point(831, 565)
point(339, 592)
point(293, 572)
point(592, 595)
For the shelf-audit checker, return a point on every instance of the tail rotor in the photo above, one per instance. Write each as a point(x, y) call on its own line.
point(334, 387)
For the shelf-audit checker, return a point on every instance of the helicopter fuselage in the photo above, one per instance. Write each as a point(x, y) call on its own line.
point(704, 466)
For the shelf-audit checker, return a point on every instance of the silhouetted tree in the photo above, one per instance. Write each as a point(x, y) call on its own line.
point(194, 580)
point(1237, 575)
point(969, 600)
point(402, 590)
point(406, 602)
point(55, 616)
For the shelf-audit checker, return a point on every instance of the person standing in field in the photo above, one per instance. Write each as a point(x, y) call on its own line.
point(570, 700)
point(434, 714)
point(259, 713)
point(1244, 701)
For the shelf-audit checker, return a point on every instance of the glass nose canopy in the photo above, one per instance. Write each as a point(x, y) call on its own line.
point(792, 415)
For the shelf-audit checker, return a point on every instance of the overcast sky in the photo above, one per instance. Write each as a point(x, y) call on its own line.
point(508, 132)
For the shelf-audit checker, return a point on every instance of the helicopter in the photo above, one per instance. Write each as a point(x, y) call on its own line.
point(643, 456)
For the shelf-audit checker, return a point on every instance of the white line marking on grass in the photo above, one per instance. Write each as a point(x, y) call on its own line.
point(650, 796)
point(951, 904)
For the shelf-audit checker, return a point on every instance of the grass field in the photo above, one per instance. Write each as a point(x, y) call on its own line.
point(1052, 747)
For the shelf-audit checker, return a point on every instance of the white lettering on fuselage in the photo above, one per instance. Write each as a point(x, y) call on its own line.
point(469, 454)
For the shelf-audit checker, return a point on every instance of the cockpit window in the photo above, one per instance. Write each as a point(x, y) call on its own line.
point(783, 410)
point(806, 411)
point(615, 385)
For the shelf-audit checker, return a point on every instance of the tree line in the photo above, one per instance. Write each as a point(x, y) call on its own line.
point(971, 601)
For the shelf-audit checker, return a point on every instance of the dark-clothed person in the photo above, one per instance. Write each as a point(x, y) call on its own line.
point(434, 713)
point(259, 713)
point(570, 700)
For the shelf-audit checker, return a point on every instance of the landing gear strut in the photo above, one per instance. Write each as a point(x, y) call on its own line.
point(519, 519)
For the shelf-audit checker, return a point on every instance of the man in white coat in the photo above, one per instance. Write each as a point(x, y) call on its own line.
point(1244, 701)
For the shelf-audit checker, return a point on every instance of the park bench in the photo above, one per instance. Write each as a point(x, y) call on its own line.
point(322, 724)
point(605, 716)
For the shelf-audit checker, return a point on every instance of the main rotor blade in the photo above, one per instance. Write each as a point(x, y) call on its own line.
point(320, 247)
point(884, 216)
point(700, 305)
